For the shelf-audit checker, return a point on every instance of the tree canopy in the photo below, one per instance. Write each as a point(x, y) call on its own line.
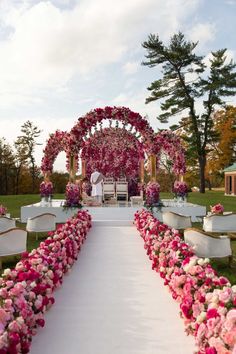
point(186, 81)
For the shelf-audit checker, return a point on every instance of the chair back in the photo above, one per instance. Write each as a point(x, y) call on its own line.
point(108, 179)
point(41, 223)
point(220, 223)
point(207, 246)
point(12, 241)
point(6, 223)
point(121, 179)
point(175, 220)
point(121, 187)
point(108, 187)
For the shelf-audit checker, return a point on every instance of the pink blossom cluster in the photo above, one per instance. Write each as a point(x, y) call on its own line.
point(114, 152)
point(152, 193)
point(207, 301)
point(217, 209)
point(55, 144)
point(26, 291)
point(3, 210)
point(72, 142)
point(180, 188)
point(46, 188)
point(73, 195)
point(170, 143)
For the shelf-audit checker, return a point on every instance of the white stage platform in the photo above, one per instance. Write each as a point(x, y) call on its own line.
point(119, 214)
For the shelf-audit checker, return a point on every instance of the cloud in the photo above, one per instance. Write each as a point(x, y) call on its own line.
point(130, 68)
point(202, 33)
point(43, 46)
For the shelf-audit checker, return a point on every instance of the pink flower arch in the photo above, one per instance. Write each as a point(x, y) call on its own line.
point(114, 152)
point(72, 142)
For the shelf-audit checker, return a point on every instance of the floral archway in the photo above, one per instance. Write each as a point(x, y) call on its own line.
point(152, 143)
point(113, 151)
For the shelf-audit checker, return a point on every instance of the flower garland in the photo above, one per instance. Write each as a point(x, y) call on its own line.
point(26, 291)
point(3, 210)
point(207, 301)
point(152, 194)
point(46, 188)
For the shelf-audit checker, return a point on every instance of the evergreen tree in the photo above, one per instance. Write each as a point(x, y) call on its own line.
point(185, 81)
point(26, 144)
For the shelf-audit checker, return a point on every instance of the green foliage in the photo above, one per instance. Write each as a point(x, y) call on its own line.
point(185, 81)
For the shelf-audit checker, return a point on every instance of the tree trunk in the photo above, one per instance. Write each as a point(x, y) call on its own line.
point(202, 165)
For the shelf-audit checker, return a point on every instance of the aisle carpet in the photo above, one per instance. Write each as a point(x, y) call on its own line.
point(113, 303)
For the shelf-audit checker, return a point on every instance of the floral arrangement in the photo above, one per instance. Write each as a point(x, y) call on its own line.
point(46, 189)
point(3, 210)
point(114, 152)
point(180, 189)
point(217, 209)
point(207, 301)
point(152, 194)
point(73, 195)
point(26, 291)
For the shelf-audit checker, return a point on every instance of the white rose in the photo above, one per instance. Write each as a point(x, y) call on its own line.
point(234, 288)
point(201, 317)
point(200, 262)
point(7, 271)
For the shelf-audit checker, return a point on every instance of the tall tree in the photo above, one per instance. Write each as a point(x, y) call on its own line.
point(223, 152)
point(27, 143)
point(184, 82)
point(7, 163)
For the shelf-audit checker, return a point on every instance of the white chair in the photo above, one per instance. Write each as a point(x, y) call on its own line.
point(12, 241)
point(6, 223)
point(206, 245)
point(175, 220)
point(108, 190)
point(41, 223)
point(121, 179)
point(220, 223)
point(108, 179)
point(122, 189)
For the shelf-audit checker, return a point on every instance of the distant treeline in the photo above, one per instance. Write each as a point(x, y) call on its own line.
point(19, 173)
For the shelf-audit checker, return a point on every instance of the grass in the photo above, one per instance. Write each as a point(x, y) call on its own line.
point(13, 204)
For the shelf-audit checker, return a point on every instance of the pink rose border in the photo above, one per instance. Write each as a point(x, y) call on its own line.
point(207, 301)
point(26, 291)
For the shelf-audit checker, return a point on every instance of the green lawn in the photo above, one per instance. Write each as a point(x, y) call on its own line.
point(13, 204)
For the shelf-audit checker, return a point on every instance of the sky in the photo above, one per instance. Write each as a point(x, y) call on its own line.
point(60, 59)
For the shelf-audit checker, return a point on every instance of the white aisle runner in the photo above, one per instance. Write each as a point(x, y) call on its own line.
point(113, 303)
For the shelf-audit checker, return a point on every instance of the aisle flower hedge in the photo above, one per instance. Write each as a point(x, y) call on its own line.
point(26, 291)
point(207, 301)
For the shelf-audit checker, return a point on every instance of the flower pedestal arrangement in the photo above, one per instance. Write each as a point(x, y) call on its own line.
point(152, 195)
point(73, 196)
point(180, 190)
point(46, 190)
